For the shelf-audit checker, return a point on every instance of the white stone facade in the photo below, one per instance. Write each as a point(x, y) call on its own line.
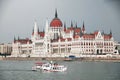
point(6, 48)
point(59, 41)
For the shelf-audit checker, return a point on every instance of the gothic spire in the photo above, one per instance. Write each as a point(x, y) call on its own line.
point(83, 27)
point(33, 30)
point(71, 24)
point(76, 25)
point(43, 30)
point(18, 38)
point(103, 32)
point(14, 39)
point(56, 15)
point(46, 26)
point(35, 27)
point(64, 26)
point(110, 32)
point(38, 29)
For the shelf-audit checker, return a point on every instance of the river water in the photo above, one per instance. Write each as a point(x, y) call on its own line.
point(21, 70)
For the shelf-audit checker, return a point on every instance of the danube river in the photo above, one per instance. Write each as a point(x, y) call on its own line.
point(21, 70)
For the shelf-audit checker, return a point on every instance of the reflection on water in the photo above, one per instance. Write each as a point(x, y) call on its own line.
point(21, 70)
point(13, 70)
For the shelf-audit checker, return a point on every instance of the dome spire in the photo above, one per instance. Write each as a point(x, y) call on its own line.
point(56, 15)
point(56, 22)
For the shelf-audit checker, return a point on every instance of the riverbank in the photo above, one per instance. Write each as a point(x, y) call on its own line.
point(109, 59)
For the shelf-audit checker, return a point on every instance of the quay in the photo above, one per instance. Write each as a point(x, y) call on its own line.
point(98, 59)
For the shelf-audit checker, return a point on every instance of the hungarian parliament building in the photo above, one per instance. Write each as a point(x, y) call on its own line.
point(57, 40)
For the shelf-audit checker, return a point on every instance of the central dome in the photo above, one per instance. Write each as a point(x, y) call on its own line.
point(56, 22)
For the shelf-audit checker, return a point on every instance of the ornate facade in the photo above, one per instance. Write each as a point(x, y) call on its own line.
point(58, 40)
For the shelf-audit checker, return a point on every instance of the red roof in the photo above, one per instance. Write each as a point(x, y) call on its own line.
point(95, 33)
point(23, 41)
point(61, 39)
point(42, 34)
point(76, 36)
point(88, 36)
point(77, 30)
point(56, 22)
point(107, 37)
point(67, 31)
point(71, 28)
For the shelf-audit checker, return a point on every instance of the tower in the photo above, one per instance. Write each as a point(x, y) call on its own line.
point(35, 28)
point(35, 32)
point(55, 26)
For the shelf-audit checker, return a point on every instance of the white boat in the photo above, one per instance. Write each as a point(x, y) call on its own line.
point(52, 67)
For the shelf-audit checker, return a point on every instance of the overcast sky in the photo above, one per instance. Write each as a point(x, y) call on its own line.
point(17, 16)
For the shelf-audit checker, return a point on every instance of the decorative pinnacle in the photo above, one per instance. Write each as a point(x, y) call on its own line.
point(14, 38)
point(71, 24)
point(76, 24)
point(64, 24)
point(110, 32)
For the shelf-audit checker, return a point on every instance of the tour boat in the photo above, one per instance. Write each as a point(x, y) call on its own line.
point(50, 66)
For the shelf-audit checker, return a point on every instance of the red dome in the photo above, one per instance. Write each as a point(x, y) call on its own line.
point(56, 23)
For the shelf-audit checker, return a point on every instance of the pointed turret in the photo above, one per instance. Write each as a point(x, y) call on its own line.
point(76, 25)
point(35, 28)
point(47, 25)
point(38, 29)
point(71, 24)
point(64, 26)
point(14, 39)
point(110, 33)
point(33, 31)
point(18, 38)
point(83, 28)
point(43, 30)
point(103, 32)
